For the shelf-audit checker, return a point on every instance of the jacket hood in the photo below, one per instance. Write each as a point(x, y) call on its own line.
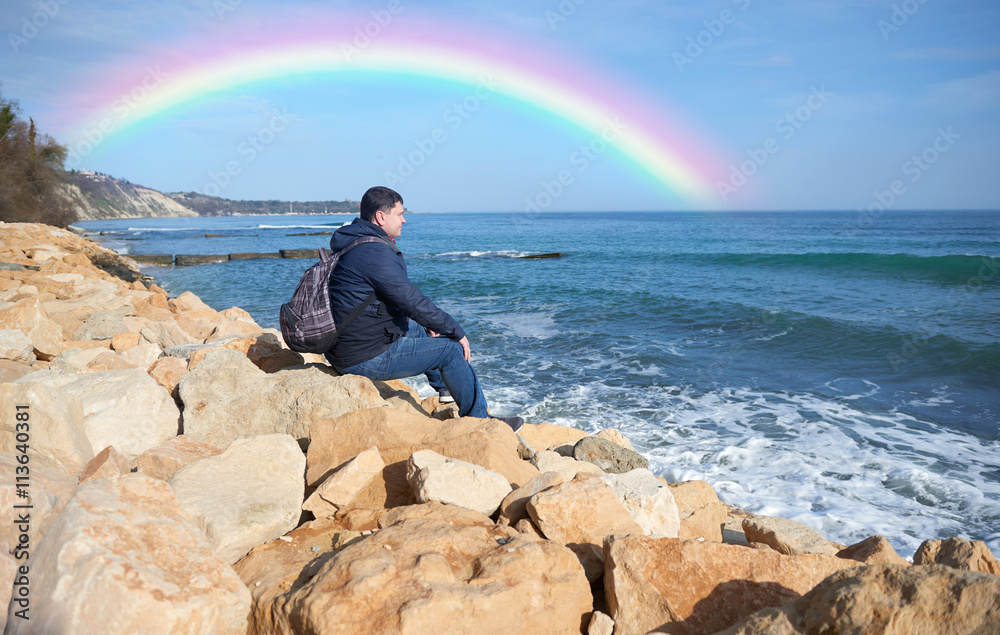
point(358, 228)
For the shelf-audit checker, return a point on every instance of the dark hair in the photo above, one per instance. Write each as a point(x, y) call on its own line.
point(377, 199)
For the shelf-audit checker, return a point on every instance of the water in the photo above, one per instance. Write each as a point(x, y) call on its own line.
point(840, 371)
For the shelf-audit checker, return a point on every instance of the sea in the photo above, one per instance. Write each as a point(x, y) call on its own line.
point(840, 369)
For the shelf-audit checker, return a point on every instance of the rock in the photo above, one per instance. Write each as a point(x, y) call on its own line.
point(567, 467)
point(787, 536)
point(125, 340)
point(600, 624)
point(542, 436)
point(609, 456)
point(732, 530)
point(649, 502)
point(694, 587)
point(16, 347)
point(186, 302)
point(110, 563)
point(101, 325)
point(142, 356)
point(111, 400)
point(198, 323)
point(167, 372)
point(514, 508)
point(108, 463)
point(579, 514)
point(452, 514)
point(107, 360)
point(226, 396)
point(485, 442)
point(887, 599)
point(702, 513)
point(249, 494)
point(437, 478)
point(406, 584)
point(348, 486)
point(31, 318)
point(55, 423)
point(874, 550)
point(959, 554)
point(616, 437)
point(12, 371)
point(263, 349)
point(165, 334)
point(163, 461)
point(525, 526)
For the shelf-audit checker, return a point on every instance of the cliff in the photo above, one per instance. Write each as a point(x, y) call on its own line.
point(97, 196)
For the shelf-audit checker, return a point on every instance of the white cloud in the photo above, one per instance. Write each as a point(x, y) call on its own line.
point(979, 93)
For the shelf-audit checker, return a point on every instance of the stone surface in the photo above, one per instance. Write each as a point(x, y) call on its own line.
point(600, 624)
point(349, 486)
point(567, 467)
point(227, 396)
point(142, 356)
point(873, 550)
point(579, 514)
point(787, 536)
point(55, 423)
point(12, 371)
point(514, 506)
point(31, 318)
point(263, 349)
point(616, 437)
point(101, 325)
point(166, 333)
point(438, 478)
point(649, 502)
point(247, 495)
point(695, 587)
point(16, 347)
point(111, 563)
point(126, 339)
point(163, 461)
point(422, 576)
point(167, 372)
point(607, 455)
point(883, 599)
point(485, 442)
point(542, 436)
point(108, 463)
point(702, 513)
point(958, 553)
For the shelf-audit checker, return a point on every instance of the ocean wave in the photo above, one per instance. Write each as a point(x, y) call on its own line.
point(323, 226)
point(509, 253)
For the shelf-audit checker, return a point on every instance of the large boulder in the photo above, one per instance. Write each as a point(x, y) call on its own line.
point(542, 436)
point(429, 576)
point(959, 554)
point(121, 557)
point(111, 400)
point(648, 500)
point(16, 347)
point(514, 507)
point(30, 317)
point(881, 599)
point(349, 487)
point(397, 434)
point(787, 536)
point(438, 478)
point(701, 512)
point(608, 455)
point(565, 466)
point(698, 588)
point(163, 461)
point(227, 396)
point(55, 424)
point(249, 494)
point(873, 550)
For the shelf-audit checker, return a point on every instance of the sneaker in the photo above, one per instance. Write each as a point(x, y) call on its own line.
point(445, 397)
point(515, 423)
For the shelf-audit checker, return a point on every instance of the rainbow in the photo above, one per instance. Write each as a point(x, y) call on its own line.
point(655, 141)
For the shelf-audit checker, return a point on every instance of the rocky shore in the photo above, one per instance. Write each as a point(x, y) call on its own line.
point(171, 468)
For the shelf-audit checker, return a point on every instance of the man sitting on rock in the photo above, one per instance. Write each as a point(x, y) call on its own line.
point(401, 333)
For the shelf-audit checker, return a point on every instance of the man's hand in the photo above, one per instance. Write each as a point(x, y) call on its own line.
point(465, 347)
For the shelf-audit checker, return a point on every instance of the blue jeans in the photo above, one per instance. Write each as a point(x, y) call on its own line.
point(439, 358)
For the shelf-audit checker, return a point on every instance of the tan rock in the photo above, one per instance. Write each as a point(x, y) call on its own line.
point(108, 360)
point(528, 528)
point(187, 301)
point(108, 463)
point(616, 437)
point(702, 513)
point(887, 599)
point(407, 584)
point(125, 340)
point(12, 371)
point(485, 442)
point(566, 466)
point(263, 349)
point(55, 419)
point(16, 347)
point(101, 325)
point(198, 323)
point(227, 396)
point(542, 436)
point(694, 587)
point(31, 318)
point(228, 328)
point(873, 550)
point(649, 502)
point(163, 461)
point(438, 478)
point(111, 563)
point(454, 515)
point(142, 356)
point(166, 334)
point(732, 530)
point(513, 508)
point(787, 536)
point(167, 372)
point(249, 494)
point(600, 624)
point(958, 553)
point(580, 514)
point(348, 487)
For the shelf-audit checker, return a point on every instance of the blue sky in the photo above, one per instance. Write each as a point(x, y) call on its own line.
point(802, 105)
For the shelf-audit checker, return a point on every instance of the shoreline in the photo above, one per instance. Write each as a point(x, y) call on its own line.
point(573, 522)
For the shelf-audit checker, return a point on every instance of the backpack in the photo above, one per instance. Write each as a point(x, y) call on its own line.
point(307, 319)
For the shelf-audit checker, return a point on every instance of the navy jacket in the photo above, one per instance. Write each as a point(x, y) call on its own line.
point(377, 268)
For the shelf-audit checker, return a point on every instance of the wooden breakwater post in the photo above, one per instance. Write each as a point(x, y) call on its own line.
point(555, 254)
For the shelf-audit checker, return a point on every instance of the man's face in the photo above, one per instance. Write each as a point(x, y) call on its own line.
point(392, 221)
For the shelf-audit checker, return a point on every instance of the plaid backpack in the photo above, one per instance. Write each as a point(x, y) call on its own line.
point(307, 319)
